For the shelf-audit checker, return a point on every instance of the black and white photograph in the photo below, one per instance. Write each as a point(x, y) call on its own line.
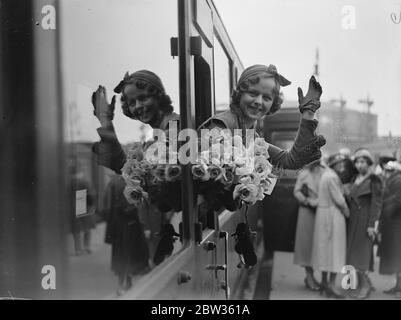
point(202, 150)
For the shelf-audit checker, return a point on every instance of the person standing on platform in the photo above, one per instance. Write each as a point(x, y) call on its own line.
point(365, 200)
point(390, 226)
point(83, 216)
point(329, 239)
point(306, 192)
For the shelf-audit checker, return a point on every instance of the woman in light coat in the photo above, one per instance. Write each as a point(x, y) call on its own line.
point(390, 226)
point(306, 192)
point(329, 240)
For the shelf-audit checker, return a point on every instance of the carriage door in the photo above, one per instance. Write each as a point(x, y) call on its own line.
point(207, 243)
point(213, 62)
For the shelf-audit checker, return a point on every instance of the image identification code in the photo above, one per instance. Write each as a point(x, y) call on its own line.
point(201, 309)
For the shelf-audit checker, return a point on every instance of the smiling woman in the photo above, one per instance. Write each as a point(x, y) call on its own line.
point(257, 95)
point(143, 98)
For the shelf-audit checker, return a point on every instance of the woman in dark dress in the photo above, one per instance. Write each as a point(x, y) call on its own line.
point(390, 226)
point(125, 233)
point(365, 200)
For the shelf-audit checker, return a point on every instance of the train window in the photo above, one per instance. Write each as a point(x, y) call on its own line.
point(221, 77)
point(111, 243)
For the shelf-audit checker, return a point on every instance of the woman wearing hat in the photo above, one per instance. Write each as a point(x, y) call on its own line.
point(390, 226)
point(365, 200)
point(143, 98)
point(306, 191)
point(258, 94)
point(329, 239)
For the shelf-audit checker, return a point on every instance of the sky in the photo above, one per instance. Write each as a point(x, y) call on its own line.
point(352, 62)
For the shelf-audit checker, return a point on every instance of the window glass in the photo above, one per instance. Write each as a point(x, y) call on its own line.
point(111, 243)
point(221, 77)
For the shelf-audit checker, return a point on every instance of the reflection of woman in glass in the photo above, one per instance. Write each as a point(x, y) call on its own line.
point(257, 95)
point(125, 233)
point(82, 224)
point(143, 98)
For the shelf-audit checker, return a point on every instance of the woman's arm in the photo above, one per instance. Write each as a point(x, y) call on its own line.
point(337, 196)
point(376, 201)
point(313, 202)
point(297, 188)
point(108, 150)
point(305, 149)
point(307, 144)
point(392, 204)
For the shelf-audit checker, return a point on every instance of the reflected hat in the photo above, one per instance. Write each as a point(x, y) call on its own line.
point(384, 158)
point(141, 75)
point(335, 158)
point(392, 166)
point(363, 153)
point(259, 69)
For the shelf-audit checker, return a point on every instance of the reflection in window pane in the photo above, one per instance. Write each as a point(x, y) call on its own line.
point(111, 243)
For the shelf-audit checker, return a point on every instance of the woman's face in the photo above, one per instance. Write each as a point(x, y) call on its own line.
point(257, 101)
point(339, 167)
point(142, 105)
point(361, 165)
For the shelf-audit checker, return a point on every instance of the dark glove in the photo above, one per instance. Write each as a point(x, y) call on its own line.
point(312, 99)
point(243, 245)
point(102, 109)
point(165, 246)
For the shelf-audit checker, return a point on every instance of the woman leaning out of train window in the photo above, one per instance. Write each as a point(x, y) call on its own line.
point(143, 98)
point(258, 94)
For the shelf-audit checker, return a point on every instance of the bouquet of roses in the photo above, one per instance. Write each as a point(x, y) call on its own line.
point(225, 174)
point(151, 179)
point(231, 173)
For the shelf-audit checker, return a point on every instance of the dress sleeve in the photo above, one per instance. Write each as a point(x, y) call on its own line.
point(336, 193)
point(392, 205)
point(305, 149)
point(376, 202)
point(297, 188)
point(108, 150)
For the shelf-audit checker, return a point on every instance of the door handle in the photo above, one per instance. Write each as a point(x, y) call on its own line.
point(224, 285)
point(216, 267)
point(209, 246)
